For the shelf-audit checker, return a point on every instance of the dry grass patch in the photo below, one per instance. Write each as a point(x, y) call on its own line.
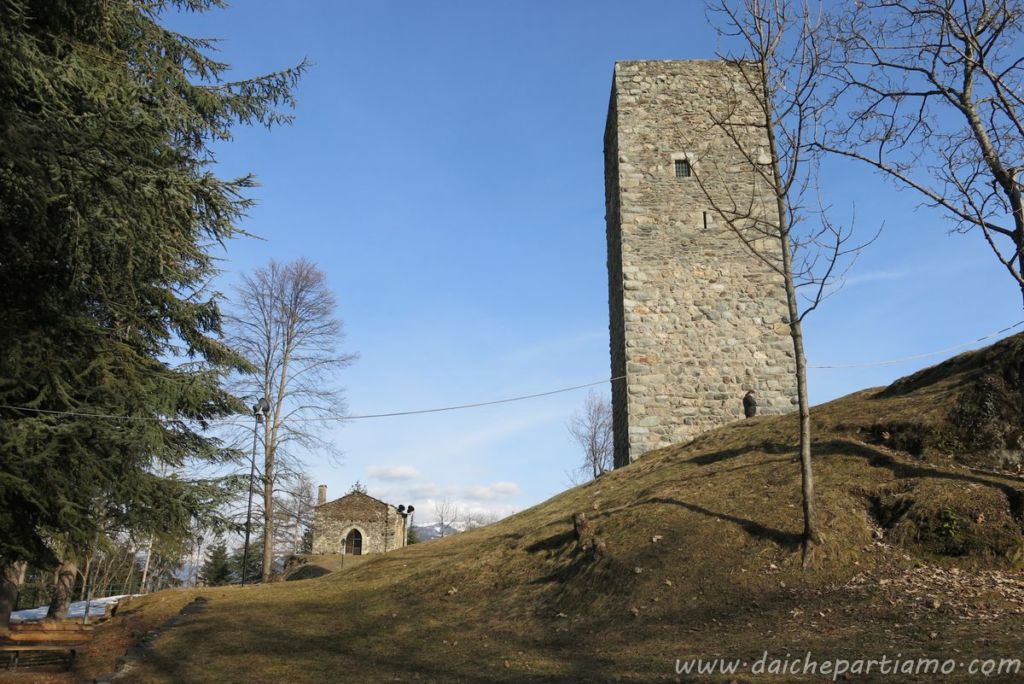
point(702, 559)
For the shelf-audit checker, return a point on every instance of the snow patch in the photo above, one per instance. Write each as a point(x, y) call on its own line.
point(97, 607)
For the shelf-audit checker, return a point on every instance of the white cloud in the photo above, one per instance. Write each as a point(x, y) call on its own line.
point(393, 473)
point(476, 493)
point(496, 490)
point(422, 490)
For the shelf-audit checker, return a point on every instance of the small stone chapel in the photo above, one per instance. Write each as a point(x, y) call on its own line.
point(357, 524)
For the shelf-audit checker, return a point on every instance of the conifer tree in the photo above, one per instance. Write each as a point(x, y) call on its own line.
point(253, 567)
point(216, 569)
point(307, 541)
point(109, 207)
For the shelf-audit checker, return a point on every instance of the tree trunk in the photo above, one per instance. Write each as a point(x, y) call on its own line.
point(297, 535)
point(1018, 238)
point(145, 568)
point(12, 575)
point(1020, 261)
point(270, 442)
point(89, 591)
point(810, 535)
point(85, 577)
point(1017, 204)
point(806, 474)
point(268, 516)
point(1005, 178)
point(102, 581)
point(199, 560)
point(67, 572)
point(127, 587)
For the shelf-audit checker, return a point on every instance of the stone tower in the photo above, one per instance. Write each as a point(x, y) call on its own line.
point(696, 320)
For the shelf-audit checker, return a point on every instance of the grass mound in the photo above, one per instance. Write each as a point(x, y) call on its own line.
point(959, 519)
point(701, 557)
point(309, 571)
point(980, 414)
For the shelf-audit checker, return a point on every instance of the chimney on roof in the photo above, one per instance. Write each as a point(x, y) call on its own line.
point(321, 495)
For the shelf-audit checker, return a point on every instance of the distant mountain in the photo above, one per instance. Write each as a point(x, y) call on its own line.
point(433, 531)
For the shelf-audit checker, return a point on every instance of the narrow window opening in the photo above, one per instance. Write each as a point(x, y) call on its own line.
point(682, 168)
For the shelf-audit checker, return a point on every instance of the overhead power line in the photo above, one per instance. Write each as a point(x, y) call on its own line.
point(507, 400)
point(484, 403)
point(893, 362)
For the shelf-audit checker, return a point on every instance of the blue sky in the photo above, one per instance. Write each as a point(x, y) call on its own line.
point(445, 170)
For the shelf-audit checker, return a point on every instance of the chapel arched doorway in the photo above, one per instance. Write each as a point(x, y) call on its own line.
point(354, 543)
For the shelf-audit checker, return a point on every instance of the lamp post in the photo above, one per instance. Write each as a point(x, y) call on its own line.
point(406, 513)
point(258, 411)
point(199, 555)
point(411, 522)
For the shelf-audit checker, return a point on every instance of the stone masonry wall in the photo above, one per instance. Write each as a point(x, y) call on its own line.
point(381, 525)
point(695, 318)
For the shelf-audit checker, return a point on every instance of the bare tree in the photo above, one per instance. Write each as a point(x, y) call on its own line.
point(475, 519)
point(293, 509)
point(773, 206)
point(591, 429)
point(446, 512)
point(285, 325)
point(939, 88)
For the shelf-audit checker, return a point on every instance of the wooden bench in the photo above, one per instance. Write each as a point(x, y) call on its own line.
point(63, 637)
point(44, 643)
point(65, 625)
point(50, 653)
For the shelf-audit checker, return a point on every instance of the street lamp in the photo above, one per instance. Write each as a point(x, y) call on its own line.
point(258, 411)
point(406, 513)
point(199, 555)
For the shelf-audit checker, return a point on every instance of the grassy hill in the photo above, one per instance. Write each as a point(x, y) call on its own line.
point(918, 495)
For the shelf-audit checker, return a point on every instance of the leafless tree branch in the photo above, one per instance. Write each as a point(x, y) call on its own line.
point(285, 324)
point(936, 89)
point(591, 429)
point(779, 60)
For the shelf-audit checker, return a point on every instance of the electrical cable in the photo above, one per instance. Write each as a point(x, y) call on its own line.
point(893, 362)
point(524, 397)
point(507, 400)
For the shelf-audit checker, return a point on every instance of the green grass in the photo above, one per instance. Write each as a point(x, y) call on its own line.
point(703, 560)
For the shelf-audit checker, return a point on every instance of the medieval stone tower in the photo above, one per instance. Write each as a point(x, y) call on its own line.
point(696, 320)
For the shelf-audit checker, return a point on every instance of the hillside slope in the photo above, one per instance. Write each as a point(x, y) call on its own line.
point(918, 499)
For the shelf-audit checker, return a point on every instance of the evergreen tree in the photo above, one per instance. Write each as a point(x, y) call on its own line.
point(108, 210)
point(307, 541)
point(254, 563)
point(216, 569)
